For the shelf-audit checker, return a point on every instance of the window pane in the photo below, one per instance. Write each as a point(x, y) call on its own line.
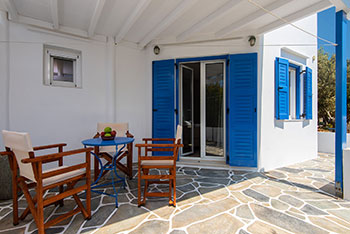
point(301, 97)
point(63, 69)
point(214, 92)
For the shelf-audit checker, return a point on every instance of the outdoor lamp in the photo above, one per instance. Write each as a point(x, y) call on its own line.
point(252, 40)
point(156, 50)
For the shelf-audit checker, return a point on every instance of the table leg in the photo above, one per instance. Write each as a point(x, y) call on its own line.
point(96, 163)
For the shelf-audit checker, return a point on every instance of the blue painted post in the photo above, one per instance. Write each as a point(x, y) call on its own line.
point(340, 102)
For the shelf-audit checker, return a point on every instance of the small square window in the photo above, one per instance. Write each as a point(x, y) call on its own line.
point(62, 67)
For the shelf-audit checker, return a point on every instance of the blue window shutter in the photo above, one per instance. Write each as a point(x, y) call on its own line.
point(242, 116)
point(163, 117)
point(308, 93)
point(282, 88)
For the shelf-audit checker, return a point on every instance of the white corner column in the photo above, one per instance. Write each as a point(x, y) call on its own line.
point(110, 81)
point(4, 74)
point(346, 174)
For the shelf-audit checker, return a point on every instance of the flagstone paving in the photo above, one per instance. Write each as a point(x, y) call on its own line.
point(294, 199)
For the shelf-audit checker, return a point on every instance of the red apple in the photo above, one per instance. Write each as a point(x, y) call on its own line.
point(114, 133)
point(102, 134)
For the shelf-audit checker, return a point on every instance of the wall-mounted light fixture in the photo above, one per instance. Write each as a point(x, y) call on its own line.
point(252, 40)
point(156, 50)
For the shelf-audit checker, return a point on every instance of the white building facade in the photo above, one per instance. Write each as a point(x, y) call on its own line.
point(122, 82)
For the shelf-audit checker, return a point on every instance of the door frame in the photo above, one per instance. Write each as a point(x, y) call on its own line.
point(181, 105)
point(178, 79)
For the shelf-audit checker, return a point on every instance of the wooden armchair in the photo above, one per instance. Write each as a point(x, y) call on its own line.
point(147, 161)
point(107, 152)
point(31, 175)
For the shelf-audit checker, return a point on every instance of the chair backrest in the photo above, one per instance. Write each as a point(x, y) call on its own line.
point(21, 145)
point(120, 128)
point(178, 140)
point(178, 134)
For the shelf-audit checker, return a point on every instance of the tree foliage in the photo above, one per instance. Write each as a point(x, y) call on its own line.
point(326, 89)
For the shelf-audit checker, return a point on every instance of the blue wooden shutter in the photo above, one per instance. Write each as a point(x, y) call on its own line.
point(308, 93)
point(282, 88)
point(163, 99)
point(242, 103)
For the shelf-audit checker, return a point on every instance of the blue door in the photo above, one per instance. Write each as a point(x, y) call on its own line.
point(163, 99)
point(242, 112)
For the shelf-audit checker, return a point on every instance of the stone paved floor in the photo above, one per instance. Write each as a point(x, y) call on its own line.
point(295, 199)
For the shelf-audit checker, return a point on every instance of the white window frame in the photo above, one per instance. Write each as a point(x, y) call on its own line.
point(51, 52)
point(292, 96)
point(292, 93)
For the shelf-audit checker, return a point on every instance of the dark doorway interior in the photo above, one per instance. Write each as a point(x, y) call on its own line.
point(191, 95)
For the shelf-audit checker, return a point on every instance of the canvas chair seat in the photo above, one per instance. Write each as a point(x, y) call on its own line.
point(61, 177)
point(157, 163)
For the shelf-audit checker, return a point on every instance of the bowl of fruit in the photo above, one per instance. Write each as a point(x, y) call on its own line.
point(108, 134)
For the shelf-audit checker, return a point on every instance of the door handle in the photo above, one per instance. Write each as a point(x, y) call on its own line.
point(155, 109)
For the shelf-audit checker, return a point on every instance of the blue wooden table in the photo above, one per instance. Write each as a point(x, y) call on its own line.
point(98, 142)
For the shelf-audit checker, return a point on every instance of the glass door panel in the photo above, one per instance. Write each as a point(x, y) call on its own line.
point(187, 110)
point(214, 109)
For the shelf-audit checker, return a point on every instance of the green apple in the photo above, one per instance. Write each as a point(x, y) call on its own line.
point(108, 135)
point(107, 129)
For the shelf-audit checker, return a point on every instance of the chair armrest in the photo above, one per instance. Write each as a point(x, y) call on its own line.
point(49, 146)
point(97, 135)
point(158, 139)
point(159, 145)
point(143, 158)
point(5, 153)
point(128, 134)
point(51, 157)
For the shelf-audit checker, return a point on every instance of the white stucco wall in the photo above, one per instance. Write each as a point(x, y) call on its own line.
point(131, 91)
point(283, 142)
point(4, 81)
point(326, 142)
point(52, 114)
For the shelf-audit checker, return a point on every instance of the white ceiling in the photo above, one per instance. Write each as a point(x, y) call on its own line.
point(143, 21)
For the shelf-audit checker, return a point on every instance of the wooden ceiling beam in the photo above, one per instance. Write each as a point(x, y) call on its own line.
point(54, 13)
point(307, 11)
point(11, 9)
point(168, 20)
point(200, 24)
point(251, 17)
point(133, 17)
point(95, 17)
